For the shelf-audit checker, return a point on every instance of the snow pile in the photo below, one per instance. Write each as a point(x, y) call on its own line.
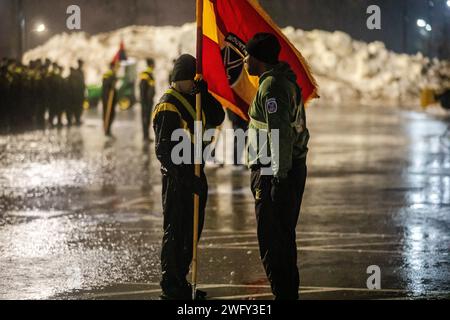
point(163, 44)
point(349, 70)
point(346, 70)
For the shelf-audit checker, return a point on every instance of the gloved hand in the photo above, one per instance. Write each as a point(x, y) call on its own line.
point(201, 86)
point(173, 172)
point(280, 187)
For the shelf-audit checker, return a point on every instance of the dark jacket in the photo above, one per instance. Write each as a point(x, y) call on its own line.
point(278, 105)
point(170, 114)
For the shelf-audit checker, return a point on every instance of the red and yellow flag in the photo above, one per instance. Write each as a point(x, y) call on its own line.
point(227, 26)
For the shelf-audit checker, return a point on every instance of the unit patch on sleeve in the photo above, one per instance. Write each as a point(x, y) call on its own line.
point(271, 105)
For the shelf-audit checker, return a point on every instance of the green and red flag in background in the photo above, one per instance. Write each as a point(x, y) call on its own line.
point(227, 26)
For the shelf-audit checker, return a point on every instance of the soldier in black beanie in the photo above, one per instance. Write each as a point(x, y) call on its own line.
point(176, 110)
point(277, 108)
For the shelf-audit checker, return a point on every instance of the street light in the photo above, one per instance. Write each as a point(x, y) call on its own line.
point(40, 28)
point(448, 3)
point(422, 23)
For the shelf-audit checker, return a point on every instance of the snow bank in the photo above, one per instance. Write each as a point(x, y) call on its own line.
point(347, 71)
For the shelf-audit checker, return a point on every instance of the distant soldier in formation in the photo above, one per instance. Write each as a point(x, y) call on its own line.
point(4, 90)
point(38, 94)
point(71, 96)
point(76, 87)
point(147, 89)
point(57, 100)
point(34, 94)
point(79, 92)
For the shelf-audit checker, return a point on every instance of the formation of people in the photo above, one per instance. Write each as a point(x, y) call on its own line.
point(37, 94)
point(110, 96)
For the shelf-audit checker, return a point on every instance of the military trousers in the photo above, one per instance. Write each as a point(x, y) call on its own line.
point(177, 242)
point(146, 113)
point(276, 229)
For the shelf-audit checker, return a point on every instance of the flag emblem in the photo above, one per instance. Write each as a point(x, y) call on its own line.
point(227, 25)
point(233, 58)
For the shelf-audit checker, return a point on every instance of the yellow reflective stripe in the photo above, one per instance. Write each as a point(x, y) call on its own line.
point(183, 101)
point(263, 126)
point(165, 107)
point(145, 76)
point(108, 74)
point(186, 104)
point(258, 124)
point(171, 108)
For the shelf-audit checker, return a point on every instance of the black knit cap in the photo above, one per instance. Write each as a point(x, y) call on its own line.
point(265, 47)
point(184, 68)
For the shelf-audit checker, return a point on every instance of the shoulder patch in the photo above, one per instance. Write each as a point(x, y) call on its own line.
point(271, 105)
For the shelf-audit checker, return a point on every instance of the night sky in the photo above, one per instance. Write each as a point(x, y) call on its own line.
point(399, 28)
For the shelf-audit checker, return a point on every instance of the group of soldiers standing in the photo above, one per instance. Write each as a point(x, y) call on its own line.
point(38, 94)
point(110, 96)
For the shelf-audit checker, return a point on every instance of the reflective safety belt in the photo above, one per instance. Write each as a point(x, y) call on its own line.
point(186, 104)
point(258, 124)
point(264, 126)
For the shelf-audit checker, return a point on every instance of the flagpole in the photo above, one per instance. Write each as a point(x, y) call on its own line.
point(197, 144)
point(109, 106)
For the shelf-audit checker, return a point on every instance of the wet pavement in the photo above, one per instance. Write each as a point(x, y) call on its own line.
point(80, 215)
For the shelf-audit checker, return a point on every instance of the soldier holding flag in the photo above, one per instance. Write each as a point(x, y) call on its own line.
point(109, 91)
point(109, 97)
point(175, 111)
